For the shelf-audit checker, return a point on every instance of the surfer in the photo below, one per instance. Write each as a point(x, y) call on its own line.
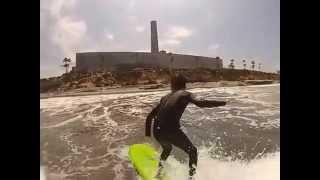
point(167, 114)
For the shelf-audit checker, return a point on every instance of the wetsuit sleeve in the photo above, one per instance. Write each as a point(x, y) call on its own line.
point(205, 103)
point(149, 119)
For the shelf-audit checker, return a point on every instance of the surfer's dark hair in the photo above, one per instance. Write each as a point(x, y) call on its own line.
point(178, 82)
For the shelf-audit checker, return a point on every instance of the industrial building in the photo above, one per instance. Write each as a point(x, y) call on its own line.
point(116, 61)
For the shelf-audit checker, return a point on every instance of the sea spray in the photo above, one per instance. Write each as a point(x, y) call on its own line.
point(210, 168)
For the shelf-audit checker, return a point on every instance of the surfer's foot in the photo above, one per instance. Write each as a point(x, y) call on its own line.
point(159, 175)
point(192, 171)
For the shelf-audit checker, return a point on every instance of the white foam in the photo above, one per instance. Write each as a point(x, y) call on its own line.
point(267, 112)
point(262, 86)
point(266, 168)
point(42, 173)
point(64, 122)
point(45, 174)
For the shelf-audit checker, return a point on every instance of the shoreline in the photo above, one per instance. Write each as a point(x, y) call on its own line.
point(144, 88)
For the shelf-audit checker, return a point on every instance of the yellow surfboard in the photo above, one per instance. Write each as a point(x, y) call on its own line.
point(145, 159)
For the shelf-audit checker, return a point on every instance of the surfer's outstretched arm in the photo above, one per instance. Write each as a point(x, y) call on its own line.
point(149, 119)
point(205, 103)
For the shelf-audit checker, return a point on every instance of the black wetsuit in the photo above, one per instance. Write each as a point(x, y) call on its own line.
point(166, 127)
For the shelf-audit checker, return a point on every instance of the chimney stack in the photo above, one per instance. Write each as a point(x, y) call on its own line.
point(154, 37)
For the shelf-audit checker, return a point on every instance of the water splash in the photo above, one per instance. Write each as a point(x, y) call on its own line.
point(209, 168)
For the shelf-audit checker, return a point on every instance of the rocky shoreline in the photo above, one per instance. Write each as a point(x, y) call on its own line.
point(146, 80)
point(151, 88)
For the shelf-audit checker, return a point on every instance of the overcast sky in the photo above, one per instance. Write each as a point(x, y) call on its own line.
point(230, 29)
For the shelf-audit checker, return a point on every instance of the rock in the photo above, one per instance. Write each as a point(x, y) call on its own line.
point(99, 85)
point(83, 80)
point(86, 85)
point(50, 84)
point(98, 79)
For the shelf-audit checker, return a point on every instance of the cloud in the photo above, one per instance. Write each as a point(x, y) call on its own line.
point(178, 32)
point(56, 7)
point(170, 42)
point(174, 37)
point(140, 28)
point(213, 47)
point(132, 4)
point(142, 50)
point(61, 33)
point(69, 34)
point(132, 19)
point(109, 36)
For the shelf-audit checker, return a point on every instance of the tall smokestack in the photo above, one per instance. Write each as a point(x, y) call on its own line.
point(154, 37)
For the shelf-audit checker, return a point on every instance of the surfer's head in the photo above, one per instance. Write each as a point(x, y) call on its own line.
point(178, 82)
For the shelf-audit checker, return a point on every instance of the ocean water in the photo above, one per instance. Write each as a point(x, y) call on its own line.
point(87, 137)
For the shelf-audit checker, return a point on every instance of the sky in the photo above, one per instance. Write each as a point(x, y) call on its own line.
point(230, 29)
